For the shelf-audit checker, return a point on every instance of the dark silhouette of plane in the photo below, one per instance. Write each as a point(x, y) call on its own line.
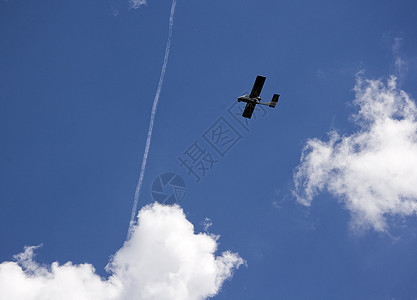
point(253, 98)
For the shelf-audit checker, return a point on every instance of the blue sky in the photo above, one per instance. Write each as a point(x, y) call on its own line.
point(77, 81)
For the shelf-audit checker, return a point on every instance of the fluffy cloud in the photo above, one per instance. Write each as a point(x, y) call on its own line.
point(374, 170)
point(164, 259)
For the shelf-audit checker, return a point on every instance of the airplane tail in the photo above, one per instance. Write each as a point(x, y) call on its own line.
point(274, 100)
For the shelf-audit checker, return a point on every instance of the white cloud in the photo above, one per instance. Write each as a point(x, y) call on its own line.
point(373, 171)
point(401, 66)
point(164, 259)
point(207, 223)
point(136, 3)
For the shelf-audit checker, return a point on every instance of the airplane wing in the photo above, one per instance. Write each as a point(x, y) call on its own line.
point(257, 86)
point(249, 108)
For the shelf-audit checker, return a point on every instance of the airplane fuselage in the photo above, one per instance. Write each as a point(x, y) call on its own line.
point(246, 98)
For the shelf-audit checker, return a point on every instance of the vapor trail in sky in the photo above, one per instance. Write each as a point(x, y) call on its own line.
point(154, 107)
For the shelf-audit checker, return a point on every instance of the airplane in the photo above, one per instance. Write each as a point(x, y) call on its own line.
point(253, 98)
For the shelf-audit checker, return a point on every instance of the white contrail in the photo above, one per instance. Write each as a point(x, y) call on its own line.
point(154, 107)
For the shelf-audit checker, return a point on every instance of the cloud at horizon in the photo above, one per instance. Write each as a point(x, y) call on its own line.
point(164, 259)
point(373, 171)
